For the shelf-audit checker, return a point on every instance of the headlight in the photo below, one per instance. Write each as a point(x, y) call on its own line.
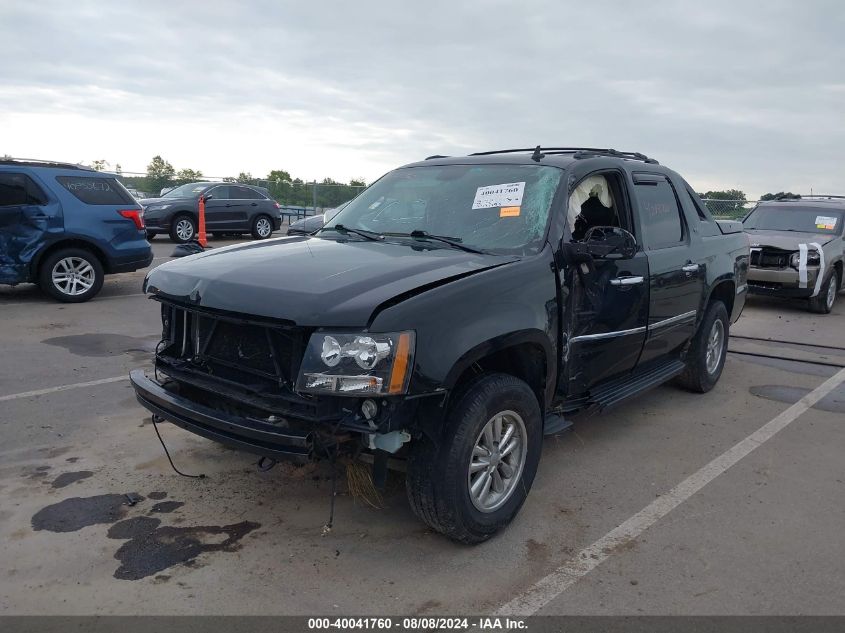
point(812, 258)
point(357, 364)
point(158, 207)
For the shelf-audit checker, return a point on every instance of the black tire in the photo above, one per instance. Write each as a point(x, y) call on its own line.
point(151, 235)
point(823, 302)
point(437, 480)
point(180, 222)
point(67, 262)
point(698, 376)
point(262, 227)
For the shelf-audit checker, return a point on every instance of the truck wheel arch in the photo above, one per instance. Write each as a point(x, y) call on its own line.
point(723, 290)
point(527, 355)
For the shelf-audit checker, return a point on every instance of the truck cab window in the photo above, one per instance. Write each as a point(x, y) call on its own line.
point(660, 213)
point(595, 201)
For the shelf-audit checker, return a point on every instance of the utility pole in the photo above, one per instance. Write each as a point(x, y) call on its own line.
point(314, 196)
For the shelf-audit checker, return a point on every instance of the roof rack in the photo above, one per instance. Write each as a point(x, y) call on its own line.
point(35, 162)
point(577, 153)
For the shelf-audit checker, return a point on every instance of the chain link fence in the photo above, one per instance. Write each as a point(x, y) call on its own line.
point(729, 209)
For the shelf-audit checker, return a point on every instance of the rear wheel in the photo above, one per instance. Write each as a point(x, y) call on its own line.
point(706, 356)
point(262, 227)
point(183, 229)
point(71, 275)
point(823, 302)
point(473, 481)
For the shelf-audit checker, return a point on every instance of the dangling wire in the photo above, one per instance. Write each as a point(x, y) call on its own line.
point(166, 452)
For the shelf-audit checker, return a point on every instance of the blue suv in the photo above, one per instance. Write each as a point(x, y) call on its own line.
point(65, 227)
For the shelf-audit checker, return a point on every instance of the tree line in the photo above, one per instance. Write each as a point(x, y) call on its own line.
point(281, 186)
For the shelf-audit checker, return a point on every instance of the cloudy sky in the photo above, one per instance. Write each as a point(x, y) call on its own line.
point(747, 95)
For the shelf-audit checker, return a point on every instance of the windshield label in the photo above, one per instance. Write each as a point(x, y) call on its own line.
point(824, 222)
point(505, 195)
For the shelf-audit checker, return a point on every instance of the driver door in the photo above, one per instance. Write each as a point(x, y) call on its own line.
point(606, 313)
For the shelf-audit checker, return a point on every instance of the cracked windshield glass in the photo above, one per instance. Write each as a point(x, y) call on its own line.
point(494, 208)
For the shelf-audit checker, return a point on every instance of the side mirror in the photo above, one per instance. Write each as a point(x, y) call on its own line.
point(610, 242)
point(207, 198)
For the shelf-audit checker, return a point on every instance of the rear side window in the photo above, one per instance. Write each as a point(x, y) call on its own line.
point(660, 213)
point(96, 190)
point(219, 193)
point(19, 189)
point(245, 193)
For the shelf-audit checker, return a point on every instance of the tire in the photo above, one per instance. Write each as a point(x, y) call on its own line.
point(183, 228)
point(56, 275)
point(706, 357)
point(151, 235)
point(438, 480)
point(262, 227)
point(823, 302)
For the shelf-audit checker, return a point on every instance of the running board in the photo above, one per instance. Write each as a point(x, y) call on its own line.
point(555, 424)
point(615, 391)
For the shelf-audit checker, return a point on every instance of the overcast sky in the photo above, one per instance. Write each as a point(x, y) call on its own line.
point(747, 95)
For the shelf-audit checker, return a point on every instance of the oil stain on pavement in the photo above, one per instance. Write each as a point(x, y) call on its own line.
point(834, 402)
point(150, 547)
point(66, 479)
point(100, 345)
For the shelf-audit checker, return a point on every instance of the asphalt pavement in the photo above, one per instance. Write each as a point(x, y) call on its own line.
point(732, 502)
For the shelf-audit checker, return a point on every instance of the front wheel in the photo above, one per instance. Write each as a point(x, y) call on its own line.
point(71, 275)
point(706, 357)
point(183, 229)
point(473, 481)
point(262, 227)
point(823, 302)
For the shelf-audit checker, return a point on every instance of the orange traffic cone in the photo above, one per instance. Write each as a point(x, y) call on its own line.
point(201, 238)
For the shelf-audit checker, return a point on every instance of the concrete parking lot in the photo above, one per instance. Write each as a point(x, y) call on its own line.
point(747, 526)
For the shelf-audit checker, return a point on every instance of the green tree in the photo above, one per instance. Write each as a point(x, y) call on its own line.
point(100, 165)
point(184, 176)
point(787, 195)
point(358, 182)
point(245, 177)
point(160, 174)
point(725, 203)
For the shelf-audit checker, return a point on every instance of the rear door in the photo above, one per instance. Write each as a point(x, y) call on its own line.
point(217, 210)
point(244, 204)
point(676, 280)
point(26, 215)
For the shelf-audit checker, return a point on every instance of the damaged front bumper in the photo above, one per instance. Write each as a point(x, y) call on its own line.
point(783, 282)
point(251, 435)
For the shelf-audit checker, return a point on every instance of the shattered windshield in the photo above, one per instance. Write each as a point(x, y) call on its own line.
point(499, 208)
point(792, 218)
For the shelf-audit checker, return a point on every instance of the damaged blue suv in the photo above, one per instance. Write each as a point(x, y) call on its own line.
point(65, 227)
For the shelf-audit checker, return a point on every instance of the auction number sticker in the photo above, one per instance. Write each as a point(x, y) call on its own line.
point(504, 195)
point(825, 222)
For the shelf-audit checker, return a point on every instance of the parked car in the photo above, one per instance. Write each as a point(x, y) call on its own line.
point(311, 223)
point(797, 249)
point(451, 315)
point(64, 227)
point(229, 208)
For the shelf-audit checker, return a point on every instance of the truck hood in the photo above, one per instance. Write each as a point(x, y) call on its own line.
point(786, 240)
point(312, 281)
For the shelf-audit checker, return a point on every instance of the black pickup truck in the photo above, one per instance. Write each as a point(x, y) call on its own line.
point(451, 315)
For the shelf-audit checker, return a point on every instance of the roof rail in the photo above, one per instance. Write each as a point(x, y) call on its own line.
point(817, 196)
point(577, 152)
point(36, 162)
point(435, 156)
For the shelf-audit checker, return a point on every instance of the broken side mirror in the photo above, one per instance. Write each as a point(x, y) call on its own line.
point(610, 242)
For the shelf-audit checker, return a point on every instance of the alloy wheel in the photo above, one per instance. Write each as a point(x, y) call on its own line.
point(184, 229)
point(497, 461)
point(73, 276)
point(715, 346)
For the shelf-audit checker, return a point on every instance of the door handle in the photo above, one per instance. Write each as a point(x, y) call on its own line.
point(690, 268)
point(633, 280)
point(228, 205)
point(254, 204)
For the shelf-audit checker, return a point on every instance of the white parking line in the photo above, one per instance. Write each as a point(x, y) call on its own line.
point(550, 587)
point(77, 385)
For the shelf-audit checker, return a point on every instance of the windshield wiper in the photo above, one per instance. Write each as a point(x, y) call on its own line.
point(369, 235)
point(451, 241)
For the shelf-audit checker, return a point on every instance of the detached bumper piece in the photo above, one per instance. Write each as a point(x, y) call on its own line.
point(254, 436)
